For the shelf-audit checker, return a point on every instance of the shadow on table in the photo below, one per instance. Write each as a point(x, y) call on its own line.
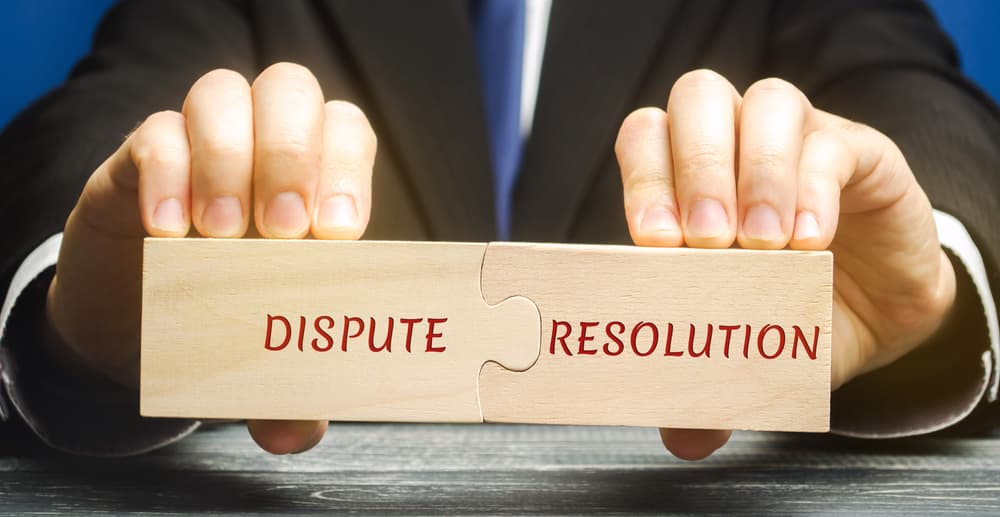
point(159, 483)
point(150, 486)
point(774, 473)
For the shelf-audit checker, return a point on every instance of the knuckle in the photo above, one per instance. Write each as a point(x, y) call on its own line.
point(892, 164)
point(862, 131)
point(160, 157)
point(647, 182)
point(820, 136)
point(766, 158)
point(850, 131)
point(853, 128)
point(154, 145)
point(703, 159)
point(290, 149)
point(221, 146)
point(342, 184)
point(341, 169)
point(827, 141)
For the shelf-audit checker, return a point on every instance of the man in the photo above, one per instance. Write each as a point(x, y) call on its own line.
point(808, 125)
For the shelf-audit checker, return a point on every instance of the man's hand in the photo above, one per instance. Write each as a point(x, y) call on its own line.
point(766, 170)
point(272, 157)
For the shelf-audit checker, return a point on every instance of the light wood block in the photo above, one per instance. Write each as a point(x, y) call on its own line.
point(570, 328)
point(609, 300)
point(205, 319)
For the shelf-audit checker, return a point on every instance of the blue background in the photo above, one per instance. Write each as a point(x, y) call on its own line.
point(41, 39)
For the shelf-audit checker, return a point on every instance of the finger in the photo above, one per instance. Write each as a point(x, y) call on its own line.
point(772, 120)
point(286, 436)
point(693, 444)
point(702, 125)
point(288, 129)
point(344, 192)
point(220, 128)
point(825, 166)
point(647, 179)
point(159, 151)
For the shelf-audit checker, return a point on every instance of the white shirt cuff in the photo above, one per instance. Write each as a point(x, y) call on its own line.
point(42, 258)
point(953, 235)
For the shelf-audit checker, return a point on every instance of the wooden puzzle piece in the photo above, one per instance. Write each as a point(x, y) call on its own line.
point(713, 339)
point(369, 331)
point(402, 331)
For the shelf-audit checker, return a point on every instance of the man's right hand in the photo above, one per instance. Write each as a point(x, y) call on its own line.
point(270, 159)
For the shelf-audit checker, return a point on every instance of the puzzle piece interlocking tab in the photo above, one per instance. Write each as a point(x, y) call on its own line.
point(499, 332)
point(368, 331)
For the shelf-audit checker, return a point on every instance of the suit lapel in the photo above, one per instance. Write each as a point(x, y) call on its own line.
point(418, 64)
point(597, 54)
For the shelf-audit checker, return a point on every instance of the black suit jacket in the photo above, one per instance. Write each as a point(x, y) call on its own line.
point(411, 66)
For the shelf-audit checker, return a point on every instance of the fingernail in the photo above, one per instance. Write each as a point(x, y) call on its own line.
point(762, 223)
point(169, 216)
point(285, 216)
point(338, 211)
point(806, 226)
point(223, 217)
point(707, 219)
point(658, 219)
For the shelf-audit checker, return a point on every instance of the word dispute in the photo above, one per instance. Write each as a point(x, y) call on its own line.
point(280, 333)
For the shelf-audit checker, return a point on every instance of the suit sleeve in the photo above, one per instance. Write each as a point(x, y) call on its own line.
point(889, 65)
point(144, 58)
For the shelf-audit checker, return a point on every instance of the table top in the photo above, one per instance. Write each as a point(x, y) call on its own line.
point(496, 469)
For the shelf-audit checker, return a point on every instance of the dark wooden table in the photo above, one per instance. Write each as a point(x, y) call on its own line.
point(437, 469)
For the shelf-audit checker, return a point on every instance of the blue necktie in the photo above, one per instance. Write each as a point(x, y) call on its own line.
point(499, 28)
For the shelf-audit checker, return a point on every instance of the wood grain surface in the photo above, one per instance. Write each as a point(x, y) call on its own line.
point(416, 469)
point(211, 309)
point(715, 364)
point(714, 339)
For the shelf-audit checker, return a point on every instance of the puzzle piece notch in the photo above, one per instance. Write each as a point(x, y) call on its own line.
point(206, 304)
